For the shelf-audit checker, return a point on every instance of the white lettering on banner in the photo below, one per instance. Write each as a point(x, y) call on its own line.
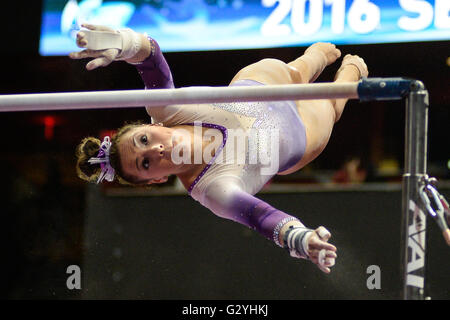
point(298, 17)
point(337, 15)
point(442, 14)
point(423, 14)
point(422, 21)
point(416, 245)
point(363, 16)
point(273, 25)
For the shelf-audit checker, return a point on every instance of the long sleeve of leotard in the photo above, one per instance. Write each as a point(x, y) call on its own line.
point(154, 70)
point(226, 198)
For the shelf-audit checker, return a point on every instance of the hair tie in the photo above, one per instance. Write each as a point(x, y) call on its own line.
point(108, 172)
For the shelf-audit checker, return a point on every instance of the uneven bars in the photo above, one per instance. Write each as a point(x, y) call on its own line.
point(364, 89)
point(367, 89)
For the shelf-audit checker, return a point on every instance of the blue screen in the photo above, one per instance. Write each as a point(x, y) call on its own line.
point(200, 25)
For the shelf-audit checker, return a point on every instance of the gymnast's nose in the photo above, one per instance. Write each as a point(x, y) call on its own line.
point(157, 150)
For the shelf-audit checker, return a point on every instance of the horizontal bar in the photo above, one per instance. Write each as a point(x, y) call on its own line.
point(162, 97)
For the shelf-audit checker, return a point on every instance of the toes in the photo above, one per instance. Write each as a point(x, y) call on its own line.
point(332, 53)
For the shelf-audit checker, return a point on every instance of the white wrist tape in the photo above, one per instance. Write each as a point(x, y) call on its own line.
point(126, 40)
point(305, 241)
point(291, 242)
point(101, 40)
point(131, 44)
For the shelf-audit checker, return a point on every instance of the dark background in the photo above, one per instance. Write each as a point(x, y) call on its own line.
point(180, 251)
point(46, 207)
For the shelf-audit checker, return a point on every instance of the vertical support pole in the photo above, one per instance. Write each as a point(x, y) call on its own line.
point(413, 216)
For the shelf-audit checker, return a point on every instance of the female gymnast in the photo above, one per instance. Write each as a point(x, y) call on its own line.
point(149, 153)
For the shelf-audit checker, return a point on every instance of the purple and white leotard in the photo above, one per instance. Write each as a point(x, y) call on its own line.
point(272, 131)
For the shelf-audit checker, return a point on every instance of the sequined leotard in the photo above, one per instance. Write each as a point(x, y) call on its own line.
point(274, 138)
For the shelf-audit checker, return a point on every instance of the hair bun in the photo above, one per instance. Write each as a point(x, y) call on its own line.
point(91, 147)
point(88, 148)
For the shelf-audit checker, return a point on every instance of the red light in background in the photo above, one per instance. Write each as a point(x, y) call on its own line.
point(49, 127)
point(49, 122)
point(106, 132)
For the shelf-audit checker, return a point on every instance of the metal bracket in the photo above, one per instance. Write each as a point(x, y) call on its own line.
point(376, 89)
point(436, 205)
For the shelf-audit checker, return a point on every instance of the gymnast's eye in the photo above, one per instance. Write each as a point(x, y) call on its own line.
point(145, 163)
point(144, 139)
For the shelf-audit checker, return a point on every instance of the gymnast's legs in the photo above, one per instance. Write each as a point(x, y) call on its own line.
point(318, 116)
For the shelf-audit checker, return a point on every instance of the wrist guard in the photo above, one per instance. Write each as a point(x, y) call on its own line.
point(126, 41)
point(296, 241)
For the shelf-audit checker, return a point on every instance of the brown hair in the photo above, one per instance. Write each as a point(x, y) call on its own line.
point(89, 147)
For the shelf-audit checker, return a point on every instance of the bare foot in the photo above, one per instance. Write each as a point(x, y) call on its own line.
point(352, 68)
point(316, 58)
point(326, 49)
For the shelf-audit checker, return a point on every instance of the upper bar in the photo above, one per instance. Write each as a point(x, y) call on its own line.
point(162, 97)
point(366, 89)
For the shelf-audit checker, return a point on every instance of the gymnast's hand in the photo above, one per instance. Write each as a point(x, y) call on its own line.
point(320, 252)
point(312, 245)
point(102, 58)
point(106, 45)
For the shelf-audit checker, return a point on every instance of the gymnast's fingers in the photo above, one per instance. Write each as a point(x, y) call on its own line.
point(328, 254)
point(315, 243)
point(81, 40)
point(329, 262)
point(99, 62)
point(95, 27)
point(324, 269)
point(323, 233)
point(325, 261)
point(88, 53)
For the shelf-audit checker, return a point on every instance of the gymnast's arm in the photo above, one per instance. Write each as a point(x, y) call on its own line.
point(154, 70)
point(137, 49)
point(143, 52)
point(227, 199)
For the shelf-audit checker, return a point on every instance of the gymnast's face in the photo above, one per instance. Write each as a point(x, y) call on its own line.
point(145, 154)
